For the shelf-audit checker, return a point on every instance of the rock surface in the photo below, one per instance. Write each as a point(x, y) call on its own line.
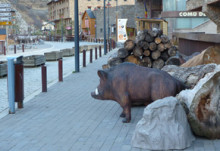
point(164, 126)
point(189, 76)
point(203, 105)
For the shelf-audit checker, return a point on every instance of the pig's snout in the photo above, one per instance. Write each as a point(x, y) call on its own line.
point(95, 94)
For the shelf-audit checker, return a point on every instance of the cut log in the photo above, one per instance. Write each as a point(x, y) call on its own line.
point(155, 32)
point(155, 54)
point(146, 62)
point(149, 38)
point(153, 46)
point(129, 45)
point(168, 45)
point(164, 38)
point(209, 55)
point(146, 53)
point(161, 47)
point(143, 44)
point(123, 53)
point(105, 66)
point(157, 40)
point(172, 51)
point(140, 36)
point(138, 51)
point(175, 60)
point(133, 59)
point(159, 63)
point(191, 75)
point(114, 60)
point(164, 55)
point(202, 106)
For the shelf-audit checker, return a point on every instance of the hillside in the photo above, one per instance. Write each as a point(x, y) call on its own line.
point(32, 11)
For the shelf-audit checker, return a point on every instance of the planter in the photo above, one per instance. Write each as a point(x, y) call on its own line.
point(34, 60)
point(53, 56)
point(68, 52)
point(3, 69)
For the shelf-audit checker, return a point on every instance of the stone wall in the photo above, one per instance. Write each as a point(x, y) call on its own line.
point(122, 13)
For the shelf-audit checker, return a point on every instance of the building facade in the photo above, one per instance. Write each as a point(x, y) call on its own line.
point(210, 7)
point(61, 12)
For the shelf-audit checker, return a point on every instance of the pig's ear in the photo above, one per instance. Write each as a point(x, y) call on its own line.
point(102, 74)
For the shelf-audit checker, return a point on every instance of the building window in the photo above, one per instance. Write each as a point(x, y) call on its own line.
point(100, 30)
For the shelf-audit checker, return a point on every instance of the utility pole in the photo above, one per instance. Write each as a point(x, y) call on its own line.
point(76, 37)
point(105, 46)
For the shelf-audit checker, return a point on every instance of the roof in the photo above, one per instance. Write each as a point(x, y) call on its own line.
point(2, 31)
point(90, 14)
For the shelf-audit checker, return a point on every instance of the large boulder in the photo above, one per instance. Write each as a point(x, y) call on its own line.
point(202, 105)
point(189, 76)
point(164, 126)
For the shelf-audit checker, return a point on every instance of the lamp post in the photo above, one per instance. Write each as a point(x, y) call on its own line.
point(105, 46)
point(76, 29)
point(108, 20)
point(62, 27)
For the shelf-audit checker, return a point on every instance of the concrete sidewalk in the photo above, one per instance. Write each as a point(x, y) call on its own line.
point(67, 118)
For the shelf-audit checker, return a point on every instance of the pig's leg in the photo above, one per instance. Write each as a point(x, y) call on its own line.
point(127, 111)
point(123, 113)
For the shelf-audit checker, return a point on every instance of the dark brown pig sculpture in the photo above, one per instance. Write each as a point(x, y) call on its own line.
point(130, 84)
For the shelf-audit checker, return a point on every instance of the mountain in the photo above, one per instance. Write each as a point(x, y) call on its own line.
point(32, 11)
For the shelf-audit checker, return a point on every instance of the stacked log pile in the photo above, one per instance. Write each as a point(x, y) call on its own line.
point(150, 49)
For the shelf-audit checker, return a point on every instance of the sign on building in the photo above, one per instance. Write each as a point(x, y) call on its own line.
point(122, 34)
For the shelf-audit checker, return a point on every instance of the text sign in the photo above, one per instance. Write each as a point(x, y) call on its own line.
point(5, 9)
point(182, 14)
point(5, 5)
point(6, 23)
point(191, 14)
point(5, 18)
point(5, 14)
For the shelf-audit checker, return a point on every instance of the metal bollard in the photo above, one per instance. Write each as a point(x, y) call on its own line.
point(14, 49)
point(84, 58)
point(4, 50)
point(95, 53)
point(22, 47)
point(19, 81)
point(100, 51)
point(11, 85)
point(91, 53)
point(60, 67)
point(44, 78)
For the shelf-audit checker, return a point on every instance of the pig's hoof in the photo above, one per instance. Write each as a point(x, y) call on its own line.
point(122, 115)
point(125, 121)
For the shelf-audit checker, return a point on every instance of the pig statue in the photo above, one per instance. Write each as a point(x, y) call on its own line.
point(130, 84)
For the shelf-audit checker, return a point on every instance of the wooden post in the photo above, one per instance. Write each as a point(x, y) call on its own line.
point(4, 50)
point(44, 78)
point(60, 66)
point(91, 55)
point(14, 49)
point(100, 51)
point(96, 53)
point(22, 47)
point(84, 58)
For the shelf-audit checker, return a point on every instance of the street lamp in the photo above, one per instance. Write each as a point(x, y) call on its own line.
point(76, 38)
point(105, 46)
